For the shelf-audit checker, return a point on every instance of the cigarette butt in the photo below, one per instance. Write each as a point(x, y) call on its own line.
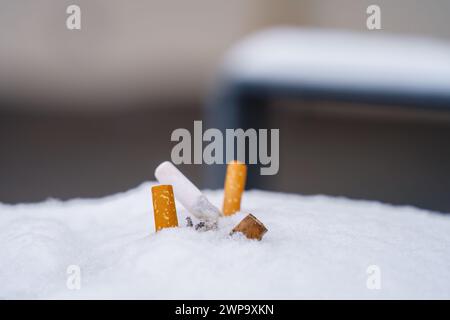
point(234, 187)
point(164, 207)
point(251, 227)
point(187, 193)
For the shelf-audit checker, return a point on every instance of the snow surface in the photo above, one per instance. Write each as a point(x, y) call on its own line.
point(316, 247)
point(346, 59)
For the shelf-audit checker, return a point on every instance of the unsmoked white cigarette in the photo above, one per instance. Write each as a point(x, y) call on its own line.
point(234, 187)
point(164, 207)
point(187, 193)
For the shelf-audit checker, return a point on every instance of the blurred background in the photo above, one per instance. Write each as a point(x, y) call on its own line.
point(87, 113)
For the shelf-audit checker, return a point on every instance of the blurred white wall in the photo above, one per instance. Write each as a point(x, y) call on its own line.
point(160, 48)
point(163, 50)
point(427, 18)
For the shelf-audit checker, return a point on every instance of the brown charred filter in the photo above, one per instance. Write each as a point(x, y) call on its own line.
point(251, 227)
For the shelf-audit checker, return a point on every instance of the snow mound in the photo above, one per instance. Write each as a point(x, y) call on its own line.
point(316, 247)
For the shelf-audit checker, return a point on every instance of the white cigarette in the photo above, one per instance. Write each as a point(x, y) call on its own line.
point(187, 193)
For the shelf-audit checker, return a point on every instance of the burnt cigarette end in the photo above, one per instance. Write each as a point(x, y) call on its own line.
point(251, 227)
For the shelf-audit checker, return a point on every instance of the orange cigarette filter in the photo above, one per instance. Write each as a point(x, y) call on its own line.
point(234, 187)
point(164, 207)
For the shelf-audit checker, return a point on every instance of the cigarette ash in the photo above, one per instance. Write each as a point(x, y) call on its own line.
point(206, 211)
point(200, 226)
point(316, 247)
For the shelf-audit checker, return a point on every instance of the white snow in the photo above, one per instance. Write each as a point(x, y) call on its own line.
point(342, 59)
point(316, 247)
